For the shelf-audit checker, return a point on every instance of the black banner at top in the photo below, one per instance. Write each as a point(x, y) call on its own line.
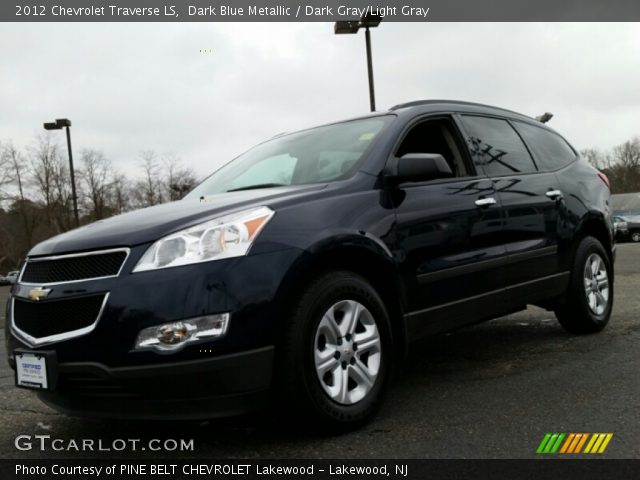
point(319, 10)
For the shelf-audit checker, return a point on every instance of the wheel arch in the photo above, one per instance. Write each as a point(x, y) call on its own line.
point(361, 255)
point(594, 224)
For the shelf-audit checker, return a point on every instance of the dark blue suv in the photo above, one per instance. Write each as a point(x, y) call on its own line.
point(302, 270)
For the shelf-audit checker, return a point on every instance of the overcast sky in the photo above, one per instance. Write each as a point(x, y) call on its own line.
point(132, 87)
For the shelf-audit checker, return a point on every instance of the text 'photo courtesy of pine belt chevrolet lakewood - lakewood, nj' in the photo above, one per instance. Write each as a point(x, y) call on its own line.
point(301, 272)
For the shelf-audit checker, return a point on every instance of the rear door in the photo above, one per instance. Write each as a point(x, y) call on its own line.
point(448, 235)
point(530, 201)
point(552, 154)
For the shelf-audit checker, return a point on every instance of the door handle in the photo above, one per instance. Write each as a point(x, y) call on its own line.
point(485, 202)
point(554, 194)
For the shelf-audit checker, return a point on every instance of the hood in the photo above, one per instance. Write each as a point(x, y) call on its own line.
point(149, 224)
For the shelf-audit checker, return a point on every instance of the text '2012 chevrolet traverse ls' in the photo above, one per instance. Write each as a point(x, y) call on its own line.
point(302, 270)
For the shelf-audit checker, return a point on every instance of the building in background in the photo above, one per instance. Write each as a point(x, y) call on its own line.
point(626, 204)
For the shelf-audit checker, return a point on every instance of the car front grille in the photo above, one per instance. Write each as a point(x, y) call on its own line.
point(71, 268)
point(47, 318)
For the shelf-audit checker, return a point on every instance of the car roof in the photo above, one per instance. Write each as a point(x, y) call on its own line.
point(423, 107)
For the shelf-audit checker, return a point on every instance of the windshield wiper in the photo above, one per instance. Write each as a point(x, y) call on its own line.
point(259, 185)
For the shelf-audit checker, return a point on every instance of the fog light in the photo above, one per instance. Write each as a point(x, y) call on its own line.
point(172, 336)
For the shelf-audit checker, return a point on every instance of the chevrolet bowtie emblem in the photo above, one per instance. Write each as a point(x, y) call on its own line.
point(38, 293)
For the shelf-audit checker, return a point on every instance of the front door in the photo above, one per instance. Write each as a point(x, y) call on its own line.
point(448, 236)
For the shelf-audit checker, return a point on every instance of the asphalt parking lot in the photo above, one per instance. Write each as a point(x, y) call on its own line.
point(489, 391)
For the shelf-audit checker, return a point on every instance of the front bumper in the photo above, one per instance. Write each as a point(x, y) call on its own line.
point(247, 288)
point(221, 386)
point(99, 373)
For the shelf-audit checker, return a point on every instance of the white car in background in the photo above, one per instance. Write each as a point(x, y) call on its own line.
point(12, 277)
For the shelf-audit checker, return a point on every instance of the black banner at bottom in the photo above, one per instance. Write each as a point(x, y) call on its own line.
point(197, 469)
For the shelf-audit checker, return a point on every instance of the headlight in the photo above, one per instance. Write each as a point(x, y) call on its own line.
point(172, 336)
point(224, 237)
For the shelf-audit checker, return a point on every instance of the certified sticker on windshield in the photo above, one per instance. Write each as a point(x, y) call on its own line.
point(367, 136)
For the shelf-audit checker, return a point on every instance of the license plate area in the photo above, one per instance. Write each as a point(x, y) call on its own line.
point(35, 370)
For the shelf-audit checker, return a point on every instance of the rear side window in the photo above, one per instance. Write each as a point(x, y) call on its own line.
point(496, 146)
point(551, 151)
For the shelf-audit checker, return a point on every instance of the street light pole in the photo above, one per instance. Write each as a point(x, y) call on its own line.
point(352, 26)
point(58, 125)
point(73, 177)
point(372, 95)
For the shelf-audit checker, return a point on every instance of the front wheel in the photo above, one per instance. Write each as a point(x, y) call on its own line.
point(635, 236)
point(590, 293)
point(337, 352)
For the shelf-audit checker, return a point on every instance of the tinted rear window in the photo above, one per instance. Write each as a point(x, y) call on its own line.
point(497, 147)
point(550, 151)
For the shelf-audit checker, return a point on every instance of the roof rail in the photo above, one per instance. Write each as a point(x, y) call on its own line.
point(418, 103)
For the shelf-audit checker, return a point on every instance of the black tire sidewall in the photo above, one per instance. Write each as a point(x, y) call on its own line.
point(324, 293)
point(582, 317)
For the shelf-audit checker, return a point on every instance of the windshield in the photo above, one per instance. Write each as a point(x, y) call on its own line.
point(321, 154)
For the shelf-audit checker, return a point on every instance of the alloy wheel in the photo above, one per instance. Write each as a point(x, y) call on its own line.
point(347, 352)
point(596, 284)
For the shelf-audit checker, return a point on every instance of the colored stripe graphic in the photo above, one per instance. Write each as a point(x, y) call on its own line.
point(567, 443)
point(576, 439)
point(605, 443)
point(543, 443)
point(581, 443)
point(594, 437)
point(550, 443)
point(556, 446)
point(573, 443)
point(598, 443)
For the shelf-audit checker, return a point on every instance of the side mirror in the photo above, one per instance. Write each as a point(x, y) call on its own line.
point(419, 167)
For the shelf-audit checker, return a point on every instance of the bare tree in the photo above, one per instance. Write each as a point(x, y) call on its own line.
point(6, 172)
point(148, 191)
point(50, 176)
point(120, 194)
point(628, 153)
point(43, 167)
point(14, 160)
point(96, 178)
point(178, 178)
point(596, 158)
point(624, 167)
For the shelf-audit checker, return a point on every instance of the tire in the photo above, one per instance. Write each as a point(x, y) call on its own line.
point(321, 376)
point(589, 298)
point(635, 237)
